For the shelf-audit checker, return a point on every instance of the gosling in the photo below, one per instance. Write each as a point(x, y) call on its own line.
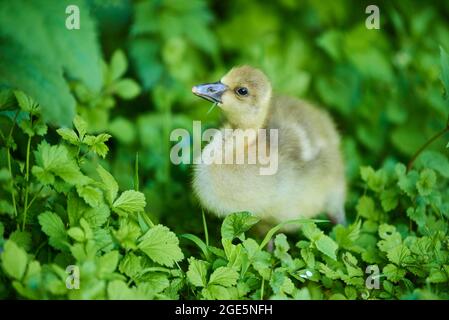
point(310, 175)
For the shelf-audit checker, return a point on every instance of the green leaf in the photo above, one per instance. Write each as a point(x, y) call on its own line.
point(197, 272)
point(434, 160)
point(55, 160)
point(161, 245)
point(216, 292)
point(93, 196)
point(235, 224)
point(53, 227)
point(68, 135)
point(444, 60)
point(129, 202)
point(327, 246)
point(393, 273)
point(224, 276)
point(80, 126)
point(389, 199)
point(22, 239)
point(14, 260)
point(119, 290)
point(427, 180)
point(109, 184)
point(77, 234)
point(23, 63)
point(131, 265)
point(366, 208)
point(26, 103)
point(97, 143)
point(118, 65)
point(126, 89)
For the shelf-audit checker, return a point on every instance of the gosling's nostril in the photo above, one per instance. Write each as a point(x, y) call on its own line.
point(211, 90)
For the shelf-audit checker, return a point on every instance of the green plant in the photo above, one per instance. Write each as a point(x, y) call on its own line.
point(102, 196)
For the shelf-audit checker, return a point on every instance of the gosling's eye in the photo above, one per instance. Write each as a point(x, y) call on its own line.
point(242, 91)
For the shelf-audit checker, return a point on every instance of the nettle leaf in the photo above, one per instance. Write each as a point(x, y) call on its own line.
point(327, 246)
point(393, 273)
point(322, 242)
point(224, 276)
point(97, 143)
point(131, 265)
point(389, 199)
point(96, 217)
point(55, 161)
point(367, 209)
point(26, 103)
point(161, 245)
point(417, 214)
point(434, 160)
point(391, 238)
point(129, 202)
point(14, 260)
point(236, 224)
point(407, 181)
point(69, 135)
point(92, 195)
point(197, 272)
point(427, 180)
point(54, 228)
point(109, 184)
point(216, 292)
point(281, 284)
point(80, 126)
point(375, 180)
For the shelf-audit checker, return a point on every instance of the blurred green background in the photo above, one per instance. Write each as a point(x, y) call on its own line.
point(382, 86)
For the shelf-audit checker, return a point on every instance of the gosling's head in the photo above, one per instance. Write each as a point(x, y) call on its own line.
point(244, 94)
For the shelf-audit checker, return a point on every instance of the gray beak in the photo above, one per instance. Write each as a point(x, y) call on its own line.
point(210, 91)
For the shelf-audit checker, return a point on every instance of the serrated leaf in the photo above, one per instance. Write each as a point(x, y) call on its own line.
point(197, 272)
point(53, 227)
point(55, 160)
point(68, 135)
point(129, 202)
point(97, 143)
point(77, 234)
point(109, 184)
point(161, 245)
point(80, 126)
point(327, 246)
point(93, 196)
point(224, 276)
point(235, 224)
point(427, 180)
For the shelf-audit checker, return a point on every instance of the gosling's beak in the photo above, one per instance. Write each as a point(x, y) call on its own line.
point(210, 91)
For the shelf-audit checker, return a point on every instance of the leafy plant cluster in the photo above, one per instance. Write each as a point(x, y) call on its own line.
point(85, 175)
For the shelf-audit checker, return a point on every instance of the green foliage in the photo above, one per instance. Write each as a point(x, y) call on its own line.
point(85, 176)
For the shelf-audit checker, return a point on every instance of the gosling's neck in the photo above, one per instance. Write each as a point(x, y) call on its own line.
point(250, 121)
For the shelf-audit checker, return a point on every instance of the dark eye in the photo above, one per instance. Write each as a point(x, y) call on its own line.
point(242, 91)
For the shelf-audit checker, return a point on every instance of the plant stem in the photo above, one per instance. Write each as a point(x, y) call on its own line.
point(13, 197)
point(136, 172)
point(8, 150)
point(27, 181)
point(425, 145)
point(206, 233)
